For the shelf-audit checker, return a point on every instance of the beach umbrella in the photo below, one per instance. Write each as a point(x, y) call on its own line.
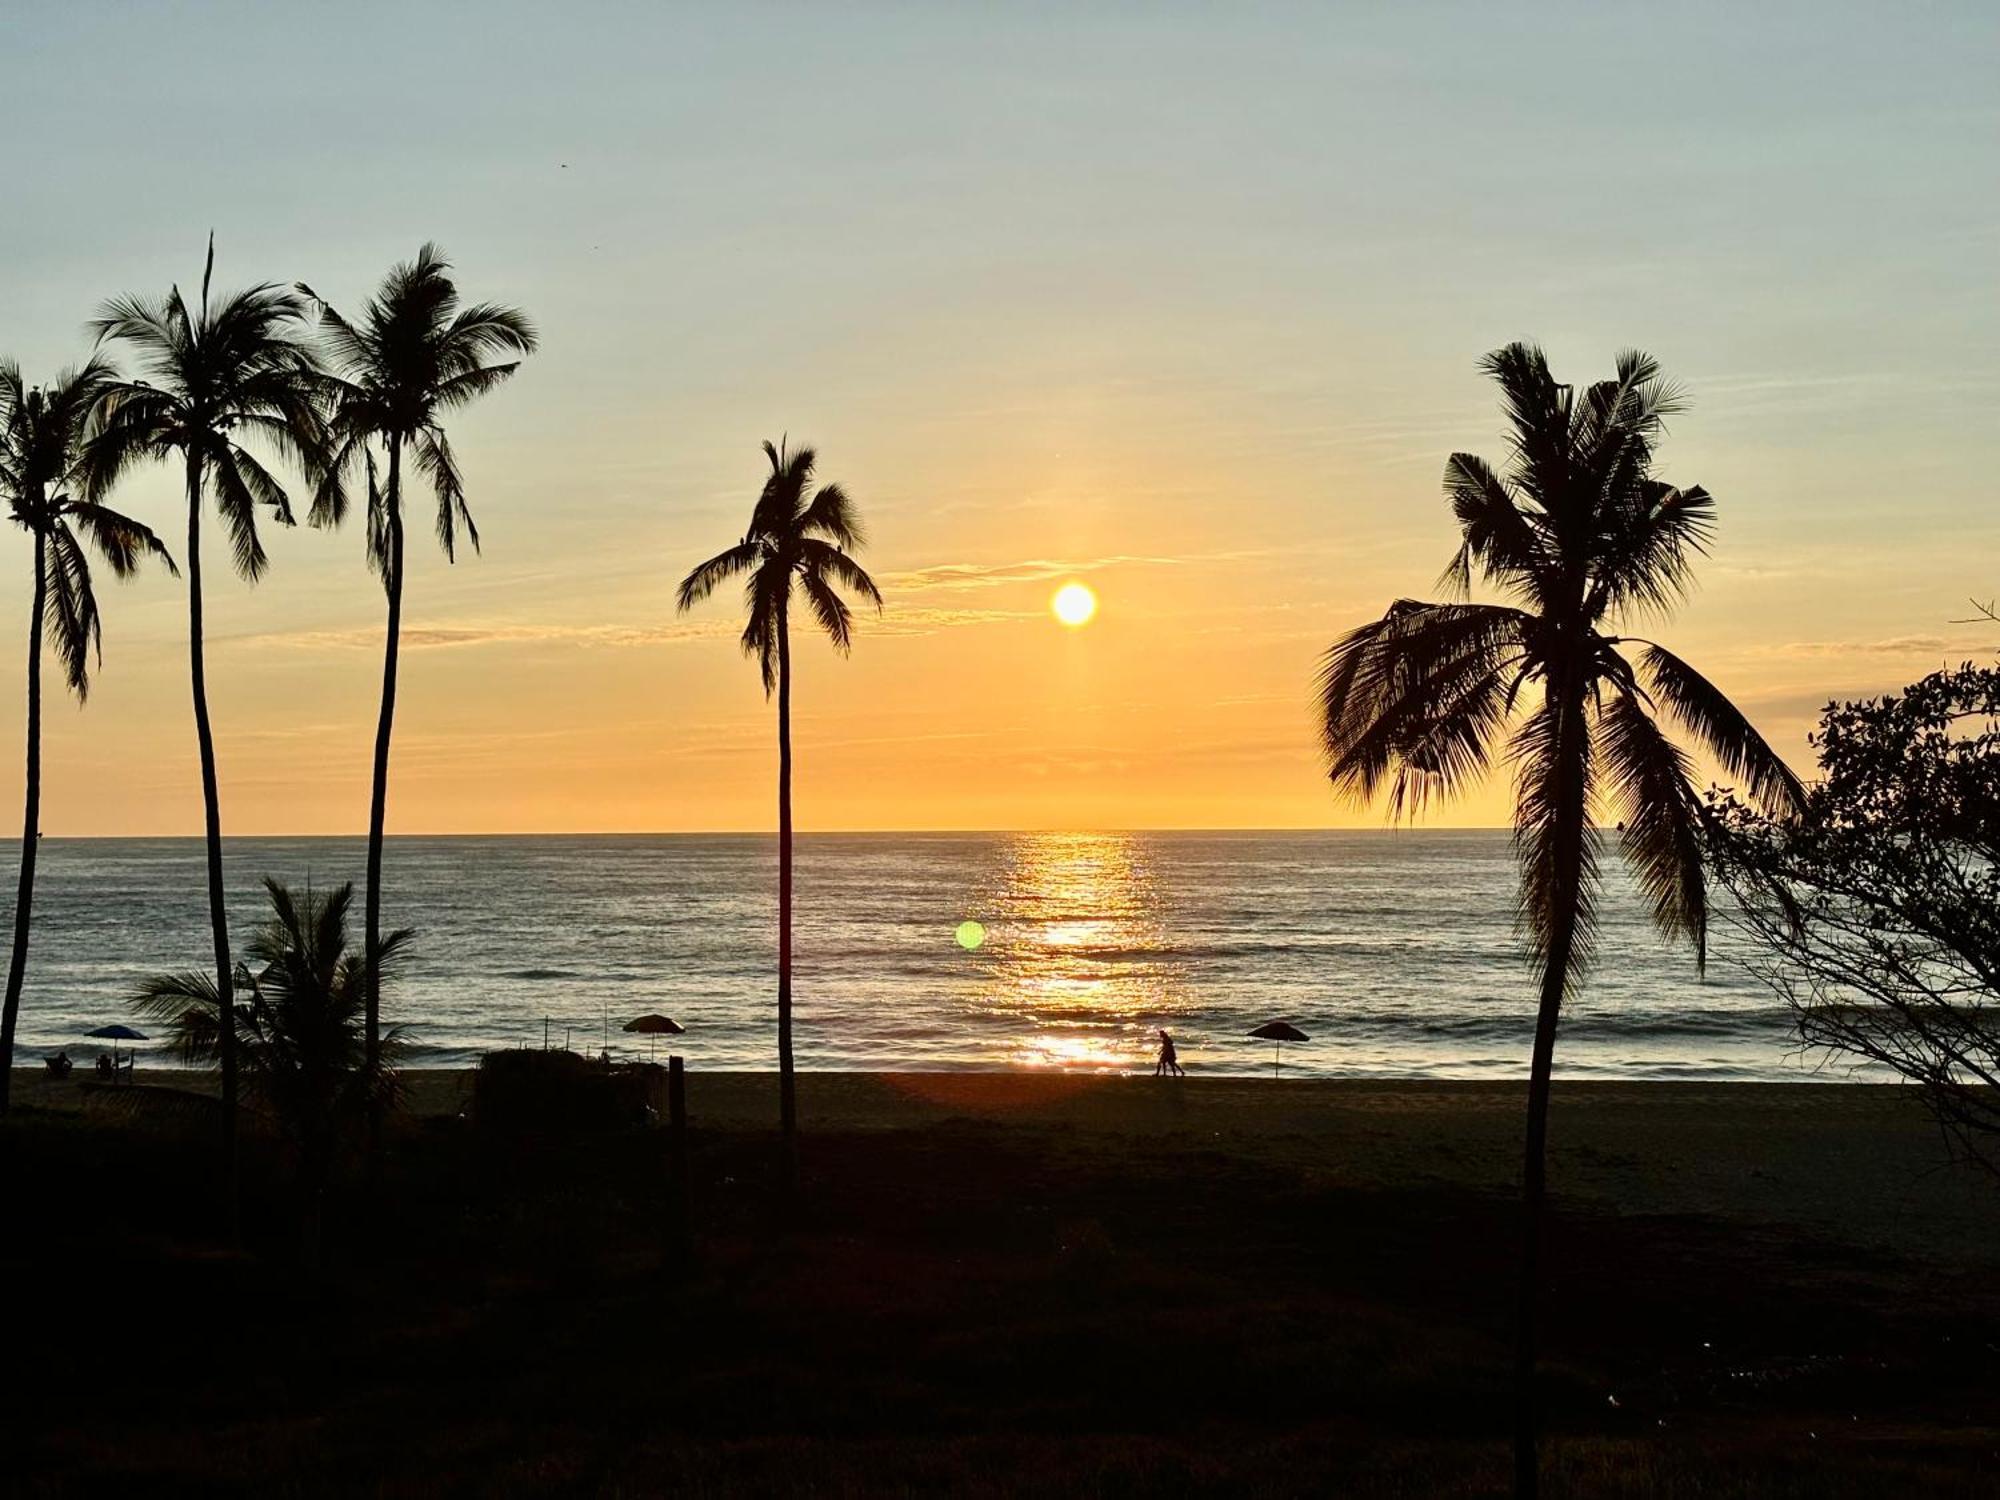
point(655, 1026)
point(1280, 1032)
point(116, 1033)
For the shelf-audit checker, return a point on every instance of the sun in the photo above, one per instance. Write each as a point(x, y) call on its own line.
point(1074, 604)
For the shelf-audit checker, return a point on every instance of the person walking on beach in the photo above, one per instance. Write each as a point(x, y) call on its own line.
point(1169, 1064)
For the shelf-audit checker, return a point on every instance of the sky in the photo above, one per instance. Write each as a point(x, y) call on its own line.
point(1183, 302)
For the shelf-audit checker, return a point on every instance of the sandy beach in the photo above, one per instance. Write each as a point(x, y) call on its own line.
point(1861, 1164)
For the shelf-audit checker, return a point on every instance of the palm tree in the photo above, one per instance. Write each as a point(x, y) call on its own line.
point(42, 434)
point(803, 541)
point(302, 1039)
point(414, 355)
point(1579, 534)
point(236, 368)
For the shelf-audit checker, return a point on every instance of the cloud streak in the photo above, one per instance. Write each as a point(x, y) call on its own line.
point(894, 621)
point(953, 577)
point(449, 637)
point(1899, 645)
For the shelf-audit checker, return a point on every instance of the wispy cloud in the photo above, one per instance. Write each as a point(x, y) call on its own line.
point(895, 621)
point(1898, 645)
point(439, 637)
point(958, 576)
point(920, 620)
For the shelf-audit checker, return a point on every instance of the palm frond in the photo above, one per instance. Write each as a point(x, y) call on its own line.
point(329, 501)
point(784, 495)
point(1555, 782)
point(1650, 536)
point(1706, 712)
point(832, 515)
point(487, 329)
point(123, 541)
point(1383, 681)
point(831, 563)
point(1660, 817)
point(468, 386)
point(239, 485)
point(766, 599)
point(188, 1004)
point(1502, 540)
point(132, 424)
point(1539, 411)
point(436, 462)
point(704, 580)
point(829, 609)
point(72, 627)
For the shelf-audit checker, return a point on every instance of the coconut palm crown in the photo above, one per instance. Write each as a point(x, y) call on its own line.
point(1579, 534)
point(231, 368)
point(798, 538)
point(413, 355)
point(45, 489)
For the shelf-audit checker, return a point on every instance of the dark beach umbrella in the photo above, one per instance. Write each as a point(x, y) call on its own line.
point(655, 1027)
point(1280, 1032)
point(116, 1033)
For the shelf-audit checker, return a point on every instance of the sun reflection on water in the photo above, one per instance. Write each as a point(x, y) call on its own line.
point(1083, 971)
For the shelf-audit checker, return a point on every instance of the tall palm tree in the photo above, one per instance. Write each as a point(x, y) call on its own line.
point(1579, 534)
point(413, 355)
point(42, 434)
point(798, 539)
point(233, 368)
point(301, 1025)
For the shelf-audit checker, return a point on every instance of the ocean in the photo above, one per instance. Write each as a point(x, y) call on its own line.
point(1394, 949)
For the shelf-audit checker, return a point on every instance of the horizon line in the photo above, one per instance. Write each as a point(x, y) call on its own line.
point(696, 833)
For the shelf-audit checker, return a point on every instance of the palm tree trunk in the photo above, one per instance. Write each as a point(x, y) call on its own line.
point(17, 965)
point(218, 909)
point(378, 801)
point(787, 1096)
point(1570, 832)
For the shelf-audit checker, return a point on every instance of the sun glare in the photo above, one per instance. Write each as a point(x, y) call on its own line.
point(1074, 604)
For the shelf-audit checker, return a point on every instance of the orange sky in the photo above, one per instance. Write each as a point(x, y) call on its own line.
point(1189, 310)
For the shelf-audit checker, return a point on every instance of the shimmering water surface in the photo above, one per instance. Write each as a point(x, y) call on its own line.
point(1394, 950)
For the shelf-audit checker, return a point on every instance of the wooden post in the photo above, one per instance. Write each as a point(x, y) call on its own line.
point(677, 1174)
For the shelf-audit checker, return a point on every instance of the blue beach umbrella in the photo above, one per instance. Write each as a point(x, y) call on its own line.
point(116, 1033)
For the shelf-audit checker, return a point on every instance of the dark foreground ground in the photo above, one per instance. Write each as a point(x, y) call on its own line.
point(1003, 1285)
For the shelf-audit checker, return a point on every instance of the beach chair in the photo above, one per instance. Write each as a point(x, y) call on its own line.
point(58, 1065)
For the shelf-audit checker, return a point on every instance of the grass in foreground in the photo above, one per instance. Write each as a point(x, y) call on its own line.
point(952, 1307)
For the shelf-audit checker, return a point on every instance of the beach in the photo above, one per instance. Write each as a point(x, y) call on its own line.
point(1858, 1163)
point(1025, 1281)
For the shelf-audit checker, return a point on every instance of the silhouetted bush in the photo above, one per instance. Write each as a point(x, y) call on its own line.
point(1877, 911)
point(562, 1093)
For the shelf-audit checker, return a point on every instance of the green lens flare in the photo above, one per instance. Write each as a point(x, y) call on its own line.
point(970, 935)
